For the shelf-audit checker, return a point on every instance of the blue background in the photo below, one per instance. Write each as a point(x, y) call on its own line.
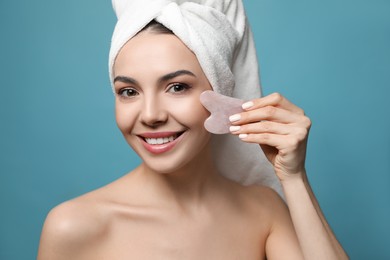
point(58, 137)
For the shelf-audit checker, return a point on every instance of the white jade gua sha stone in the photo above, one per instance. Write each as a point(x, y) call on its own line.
point(220, 107)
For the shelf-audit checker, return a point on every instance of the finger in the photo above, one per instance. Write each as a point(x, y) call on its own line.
point(269, 113)
point(284, 135)
point(274, 99)
point(264, 127)
point(273, 140)
point(280, 142)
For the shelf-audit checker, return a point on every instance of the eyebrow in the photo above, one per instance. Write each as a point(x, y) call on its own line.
point(162, 79)
point(175, 74)
point(125, 79)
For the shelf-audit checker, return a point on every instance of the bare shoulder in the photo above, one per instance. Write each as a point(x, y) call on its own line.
point(76, 219)
point(263, 198)
point(270, 203)
point(71, 226)
point(262, 204)
point(267, 197)
point(281, 241)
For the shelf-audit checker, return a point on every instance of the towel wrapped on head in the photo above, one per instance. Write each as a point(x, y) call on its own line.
point(219, 35)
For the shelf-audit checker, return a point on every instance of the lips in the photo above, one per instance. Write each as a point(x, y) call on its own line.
point(160, 142)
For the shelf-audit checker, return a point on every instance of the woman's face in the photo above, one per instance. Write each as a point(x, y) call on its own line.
point(157, 82)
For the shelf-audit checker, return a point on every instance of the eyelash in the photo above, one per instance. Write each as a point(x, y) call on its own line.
point(184, 87)
point(124, 92)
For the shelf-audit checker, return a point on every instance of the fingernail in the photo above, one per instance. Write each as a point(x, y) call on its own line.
point(234, 128)
point(242, 136)
point(247, 105)
point(235, 117)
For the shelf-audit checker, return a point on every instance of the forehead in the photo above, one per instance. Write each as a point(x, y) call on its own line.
point(153, 51)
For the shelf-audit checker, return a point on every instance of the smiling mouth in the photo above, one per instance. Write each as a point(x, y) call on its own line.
point(155, 139)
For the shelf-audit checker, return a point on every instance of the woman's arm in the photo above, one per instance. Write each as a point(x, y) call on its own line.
point(315, 237)
point(282, 129)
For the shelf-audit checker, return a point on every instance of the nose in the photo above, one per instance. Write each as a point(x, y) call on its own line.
point(153, 113)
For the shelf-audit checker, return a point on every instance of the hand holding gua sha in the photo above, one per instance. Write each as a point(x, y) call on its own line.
point(220, 107)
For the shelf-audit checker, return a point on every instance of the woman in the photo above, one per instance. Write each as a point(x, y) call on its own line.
point(176, 204)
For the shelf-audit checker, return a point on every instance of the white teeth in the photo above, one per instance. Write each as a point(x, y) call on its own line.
point(160, 140)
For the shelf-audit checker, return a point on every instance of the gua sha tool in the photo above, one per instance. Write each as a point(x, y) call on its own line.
point(220, 107)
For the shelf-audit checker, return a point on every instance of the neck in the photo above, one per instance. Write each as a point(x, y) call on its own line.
point(189, 186)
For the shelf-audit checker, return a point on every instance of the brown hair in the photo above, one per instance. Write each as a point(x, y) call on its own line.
point(156, 27)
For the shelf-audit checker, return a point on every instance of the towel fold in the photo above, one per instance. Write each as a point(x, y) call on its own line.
point(217, 31)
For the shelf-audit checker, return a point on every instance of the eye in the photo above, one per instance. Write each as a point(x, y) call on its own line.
point(178, 88)
point(127, 92)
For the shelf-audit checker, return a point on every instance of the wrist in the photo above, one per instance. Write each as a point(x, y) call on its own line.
point(294, 179)
point(295, 188)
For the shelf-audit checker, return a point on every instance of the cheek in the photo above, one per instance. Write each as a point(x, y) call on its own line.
point(125, 117)
point(191, 112)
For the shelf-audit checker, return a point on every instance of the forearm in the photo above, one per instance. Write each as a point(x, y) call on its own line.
point(314, 233)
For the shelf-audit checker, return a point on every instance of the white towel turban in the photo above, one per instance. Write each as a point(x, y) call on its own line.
point(218, 33)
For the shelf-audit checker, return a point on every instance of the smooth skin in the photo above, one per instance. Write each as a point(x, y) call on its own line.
point(176, 205)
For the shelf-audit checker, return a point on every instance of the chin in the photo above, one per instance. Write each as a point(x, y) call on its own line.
point(167, 164)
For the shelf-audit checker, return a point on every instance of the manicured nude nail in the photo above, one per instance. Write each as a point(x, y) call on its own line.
point(242, 136)
point(234, 128)
point(247, 105)
point(235, 118)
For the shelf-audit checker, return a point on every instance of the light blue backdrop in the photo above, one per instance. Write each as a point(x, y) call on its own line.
point(58, 137)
